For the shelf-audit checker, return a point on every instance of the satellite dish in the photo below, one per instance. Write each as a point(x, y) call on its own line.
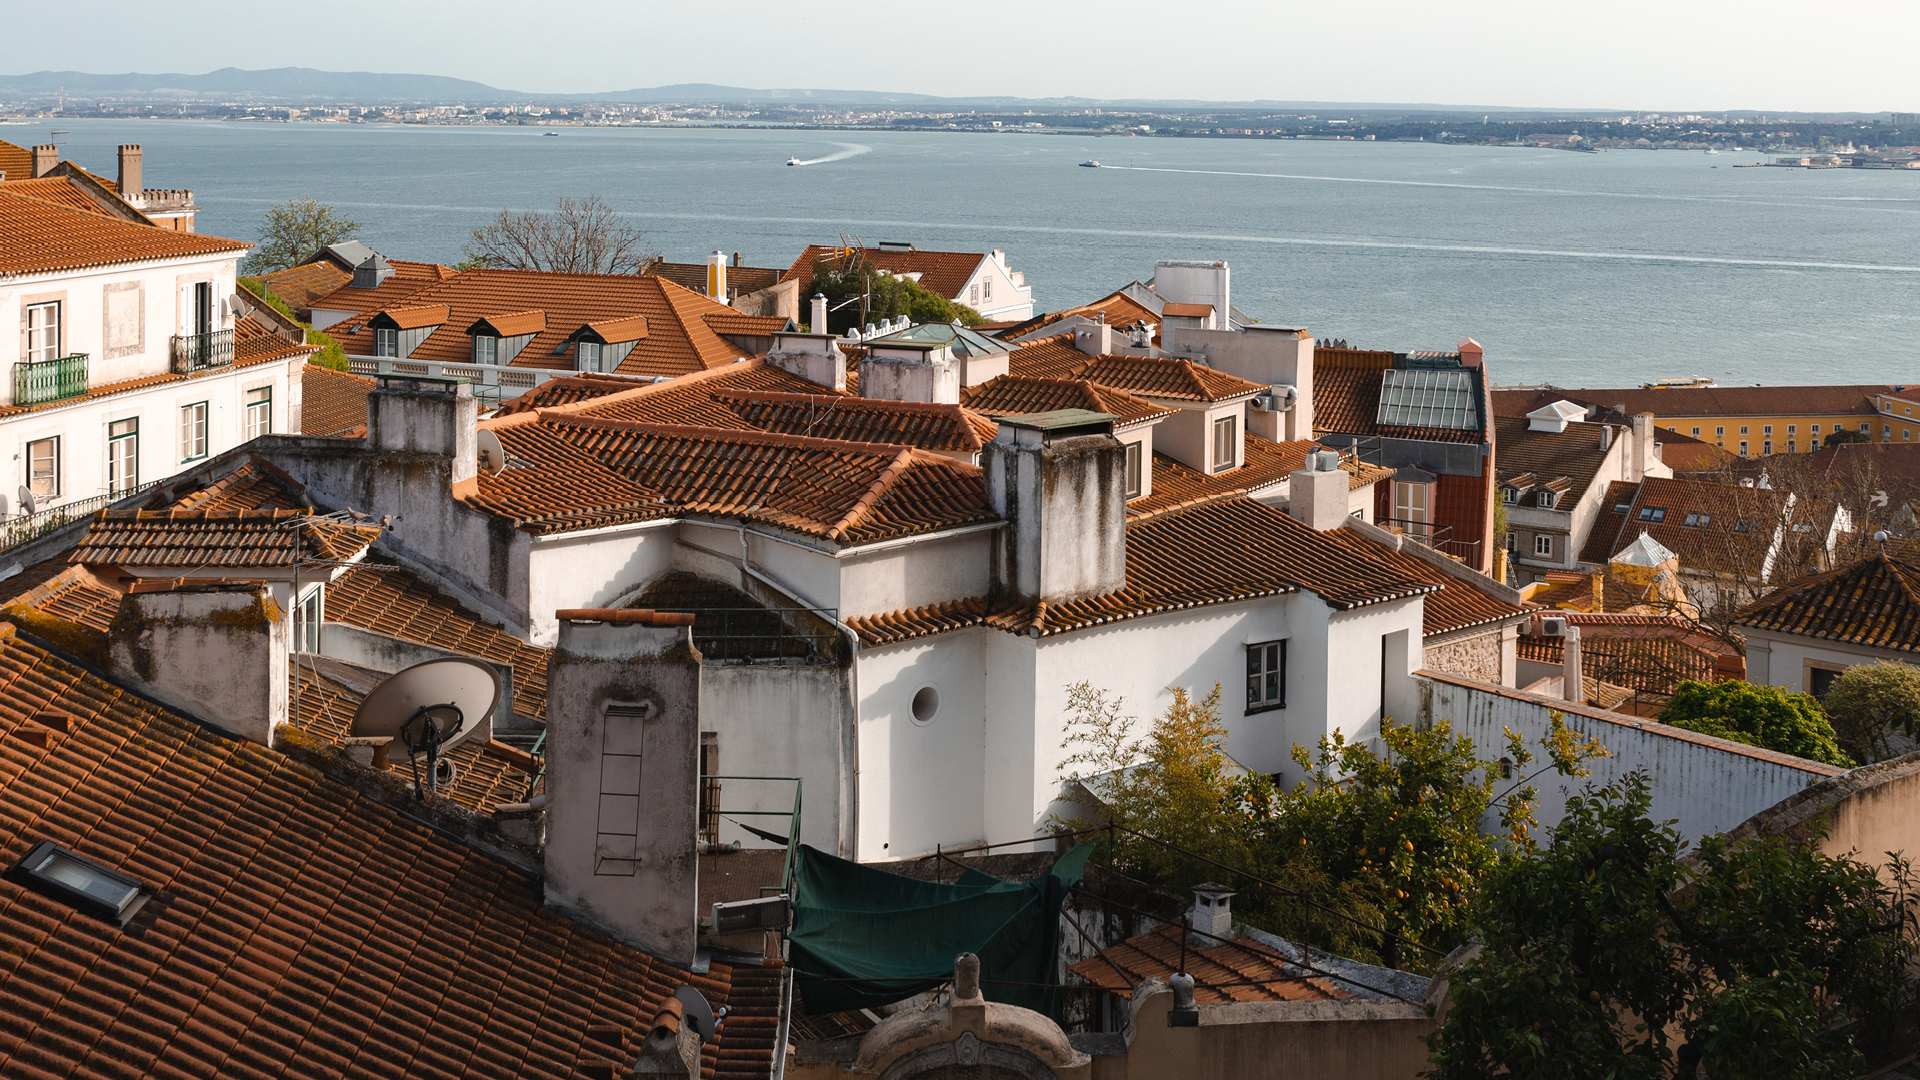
point(430, 708)
point(3, 506)
point(698, 1014)
point(493, 456)
point(27, 506)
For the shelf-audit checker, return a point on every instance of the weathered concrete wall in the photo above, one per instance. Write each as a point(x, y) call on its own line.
point(1351, 1040)
point(623, 804)
point(1866, 813)
point(1064, 498)
point(219, 654)
point(1706, 784)
point(914, 575)
point(782, 720)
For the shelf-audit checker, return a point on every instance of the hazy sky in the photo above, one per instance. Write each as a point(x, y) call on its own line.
point(1632, 54)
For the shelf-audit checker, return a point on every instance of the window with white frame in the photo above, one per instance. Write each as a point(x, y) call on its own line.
point(986, 289)
point(1410, 506)
point(123, 455)
point(43, 332)
point(193, 431)
point(973, 296)
point(386, 342)
point(1544, 499)
point(1513, 543)
point(43, 468)
point(588, 356)
point(1226, 440)
point(1543, 544)
point(485, 348)
point(307, 615)
point(1136, 477)
point(259, 412)
point(1267, 676)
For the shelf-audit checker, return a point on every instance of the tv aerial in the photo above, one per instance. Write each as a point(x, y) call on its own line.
point(430, 708)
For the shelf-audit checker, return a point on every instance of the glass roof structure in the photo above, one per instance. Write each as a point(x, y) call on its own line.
point(1428, 398)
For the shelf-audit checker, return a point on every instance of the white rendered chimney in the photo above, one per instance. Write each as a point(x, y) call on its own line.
point(1643, 458)
point(1572, 686)
point(1318, 494)
point(1060, 481)
point(1606, 436)
point(1197, 283)
point(1212, 913)
point(817, 318)
point(1095, 339)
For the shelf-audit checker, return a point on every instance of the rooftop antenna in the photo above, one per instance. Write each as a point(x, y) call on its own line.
point(430, 707)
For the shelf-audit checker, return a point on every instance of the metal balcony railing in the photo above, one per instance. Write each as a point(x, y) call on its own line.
point(36, 382)
point(21, 528)
point(199, 352)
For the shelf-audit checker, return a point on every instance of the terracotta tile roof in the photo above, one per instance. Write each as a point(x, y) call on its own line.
point(408, 277)
point(1167, 378)
point(333, 402)
point(855, 419)
point(943, 272)
point(677, 341)
point(1574, 454)
point(16, 162)
point(1241, 970)
point(586, 471)
point(1220, 552)
point(40, 237)
point(516, 323)
point(1186, 311)
point(1048, 358)
point(1119, 308)
point(1648, 653)
point(73, 595)
point(324, 695)
point(292, 917)
point(1717, 545)
point(1015, 395)
point(386, 598)
point(613, 331)
point(1873, 603)
point(1346, 398)
point(693, 276)
point(568, 389)
point(1734, 401)
point(412, 316)
point(255, 485)
point(63, 192)
point(1457, 605)
point(299, 286)
point(735, 323)
point(254, 342)
point(1266, 466)
point(218, 540)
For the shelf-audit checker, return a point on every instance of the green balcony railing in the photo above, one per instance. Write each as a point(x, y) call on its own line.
point(36, 382)
point(198, 352)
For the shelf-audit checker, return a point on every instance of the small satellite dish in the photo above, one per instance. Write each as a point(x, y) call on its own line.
point(430, 708)
point(493, 456)
point(699, 1015)
point(27, 506)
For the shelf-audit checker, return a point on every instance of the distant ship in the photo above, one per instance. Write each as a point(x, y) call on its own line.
point(1089, 164)
point(551, 134)
point(793, 161)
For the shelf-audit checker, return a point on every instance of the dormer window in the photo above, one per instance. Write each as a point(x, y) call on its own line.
point(1510, 496)
point(587, 356)
point(386, 342)
point(1226, 439)
point(1544, 500)
point(485, 348)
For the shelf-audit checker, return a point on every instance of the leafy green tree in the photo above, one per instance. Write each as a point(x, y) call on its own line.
point(1609, 956)
point(292, 230)
point(1869, 702)
point(850, 278)
point(1391, 839)
point(1764, 716)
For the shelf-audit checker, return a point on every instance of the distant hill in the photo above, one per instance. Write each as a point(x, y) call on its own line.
point(273, 84)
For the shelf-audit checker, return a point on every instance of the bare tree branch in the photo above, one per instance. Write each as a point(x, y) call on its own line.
point(580, 236)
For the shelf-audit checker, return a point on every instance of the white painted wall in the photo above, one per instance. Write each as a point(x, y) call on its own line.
point(774, 721)
point(914, 575)
point(1706, 784)
point(594, 569)
point(1783, 659)
point(921, 783)
point(1187, 436)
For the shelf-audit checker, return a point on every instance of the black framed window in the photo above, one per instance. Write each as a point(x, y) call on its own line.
point(51, 870)
point(1266, 676)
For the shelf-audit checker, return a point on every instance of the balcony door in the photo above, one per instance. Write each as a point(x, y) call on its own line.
point(203, 307)
point(123, 456)
point(1411, 509)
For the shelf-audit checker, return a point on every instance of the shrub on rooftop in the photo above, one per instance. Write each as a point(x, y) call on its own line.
point(888, 296)
point(1764, 716)
point(1868, 703)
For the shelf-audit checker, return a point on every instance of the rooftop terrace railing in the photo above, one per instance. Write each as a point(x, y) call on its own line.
point(36, 382)
point(21, 528)
point(202, 352)
point(491, 383)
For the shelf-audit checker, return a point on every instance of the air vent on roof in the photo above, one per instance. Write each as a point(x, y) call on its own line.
point(1428, 398)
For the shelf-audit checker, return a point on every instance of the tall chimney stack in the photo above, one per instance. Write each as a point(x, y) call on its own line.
point(817, 316)
point(1573, 686)
point(129, 171)
point(44, 159)
point(1060, 480)
point(717, 276)
point(1318, 495)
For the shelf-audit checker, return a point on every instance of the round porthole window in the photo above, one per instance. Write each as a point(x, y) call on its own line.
point(926, 704)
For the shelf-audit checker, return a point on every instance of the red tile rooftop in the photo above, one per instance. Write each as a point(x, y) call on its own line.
point(39, 237)
point(218, 539)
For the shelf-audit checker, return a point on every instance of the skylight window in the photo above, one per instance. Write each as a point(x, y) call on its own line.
point(1622, 506)
point(1430, 399)
point(1655, 514)
point(1698, 520)
point(54, 871)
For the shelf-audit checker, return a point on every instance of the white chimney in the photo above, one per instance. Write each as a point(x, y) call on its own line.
point(814, 357)
point(1212, 914)
point(1606, 436)
point(911, 371)
point(1643, 458)
point(1197, 283)
point(420, 416)
point(818, 317)
point(1318, 494)
point(717, 277)
point(1572, 686)
point(1060, 480)
point(623, 777)
point(1094, 339)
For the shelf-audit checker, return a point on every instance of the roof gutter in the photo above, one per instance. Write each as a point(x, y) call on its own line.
point(909, 541)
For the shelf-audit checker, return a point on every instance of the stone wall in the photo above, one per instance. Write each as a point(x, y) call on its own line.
point(1474, 656)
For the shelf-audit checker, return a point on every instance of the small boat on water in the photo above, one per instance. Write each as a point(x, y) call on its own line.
point(793, 161)
point(550, 134)
point(1089, 164)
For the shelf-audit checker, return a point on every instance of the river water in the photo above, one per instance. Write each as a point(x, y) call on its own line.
point(1583, 269)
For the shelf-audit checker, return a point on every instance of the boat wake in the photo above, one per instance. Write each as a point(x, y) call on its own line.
point(852, 150)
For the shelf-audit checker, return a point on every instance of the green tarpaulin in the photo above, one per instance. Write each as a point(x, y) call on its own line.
point(863, 937)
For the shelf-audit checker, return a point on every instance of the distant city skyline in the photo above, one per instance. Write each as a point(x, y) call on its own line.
point(1631, 54)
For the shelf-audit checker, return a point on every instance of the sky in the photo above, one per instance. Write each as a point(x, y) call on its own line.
point(1664, 55)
